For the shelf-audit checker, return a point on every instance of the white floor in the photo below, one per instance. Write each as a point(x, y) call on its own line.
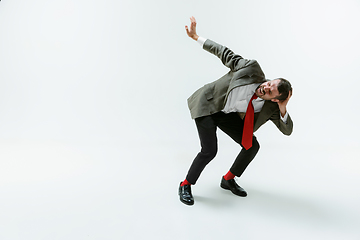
point(54, 191)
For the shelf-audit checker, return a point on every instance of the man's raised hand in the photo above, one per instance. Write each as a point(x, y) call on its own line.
point(192, 31)
point(282, 104)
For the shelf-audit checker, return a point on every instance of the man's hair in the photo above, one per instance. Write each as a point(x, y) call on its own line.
point(284, 88)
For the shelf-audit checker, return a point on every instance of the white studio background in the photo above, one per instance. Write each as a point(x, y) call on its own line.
point(95, 134)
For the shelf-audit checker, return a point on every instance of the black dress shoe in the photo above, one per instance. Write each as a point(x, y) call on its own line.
point(185, 194)
point(233, 187)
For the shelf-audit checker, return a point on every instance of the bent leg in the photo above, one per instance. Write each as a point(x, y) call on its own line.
point(232, 125)
point(244, 158)
point(207, 133)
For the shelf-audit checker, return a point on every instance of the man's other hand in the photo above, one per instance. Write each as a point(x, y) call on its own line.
point(282, 104)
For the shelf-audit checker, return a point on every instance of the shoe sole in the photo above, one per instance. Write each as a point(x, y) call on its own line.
point(187, 203)
point(227, 188)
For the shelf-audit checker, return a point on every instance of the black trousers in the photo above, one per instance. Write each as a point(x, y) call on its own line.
point(232, 125)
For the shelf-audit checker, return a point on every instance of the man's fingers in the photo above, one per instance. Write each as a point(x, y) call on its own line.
point(187, 29)
point(290, 94)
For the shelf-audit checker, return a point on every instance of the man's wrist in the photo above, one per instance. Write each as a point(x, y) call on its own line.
point(284, 117)
point(283, 113)
point(201, 41)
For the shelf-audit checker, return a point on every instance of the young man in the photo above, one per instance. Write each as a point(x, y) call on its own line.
point(238, 103)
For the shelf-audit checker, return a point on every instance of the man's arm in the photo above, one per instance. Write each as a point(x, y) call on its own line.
point(228, 57)
point(282, 104)
point(285, 128)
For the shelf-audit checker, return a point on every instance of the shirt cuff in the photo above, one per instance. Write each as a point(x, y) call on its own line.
point(201, 41)
point(284, 119)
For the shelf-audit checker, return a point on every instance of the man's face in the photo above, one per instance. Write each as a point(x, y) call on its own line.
point(268, 90)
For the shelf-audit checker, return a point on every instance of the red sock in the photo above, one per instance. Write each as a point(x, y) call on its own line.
point(229, 176)
point(185, 182)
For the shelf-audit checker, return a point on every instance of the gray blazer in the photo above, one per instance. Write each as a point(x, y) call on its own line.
point(212, 97)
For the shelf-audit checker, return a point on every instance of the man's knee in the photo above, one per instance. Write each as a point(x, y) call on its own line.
point(255, 144)
point(209, 153)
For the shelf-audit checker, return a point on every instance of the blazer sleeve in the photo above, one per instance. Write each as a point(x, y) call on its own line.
point(285, 128)
point(228, 57)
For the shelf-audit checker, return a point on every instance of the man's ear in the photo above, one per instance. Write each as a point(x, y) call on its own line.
point(275, 100)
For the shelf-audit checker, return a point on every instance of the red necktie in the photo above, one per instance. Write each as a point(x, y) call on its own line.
point(248, 125)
